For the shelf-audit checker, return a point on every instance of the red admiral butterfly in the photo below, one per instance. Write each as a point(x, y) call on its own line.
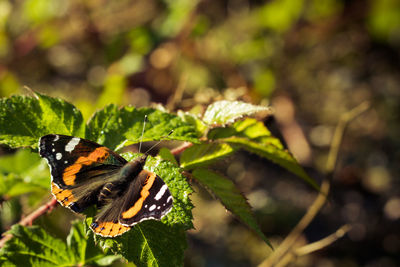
point(84, 173)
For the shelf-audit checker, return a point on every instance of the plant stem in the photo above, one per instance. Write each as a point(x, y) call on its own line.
point(28, 220)
point(285, 248)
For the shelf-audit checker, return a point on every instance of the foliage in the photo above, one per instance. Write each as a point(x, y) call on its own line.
point(33, 246)
point(150, 243)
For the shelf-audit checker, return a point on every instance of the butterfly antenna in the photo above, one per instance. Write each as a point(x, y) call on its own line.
point(162, 139)
point(141, 137)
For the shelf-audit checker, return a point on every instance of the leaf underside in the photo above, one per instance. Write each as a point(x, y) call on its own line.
point(225, 112)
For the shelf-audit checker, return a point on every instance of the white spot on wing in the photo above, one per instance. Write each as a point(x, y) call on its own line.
point(169, 199)
point(58, 156)
point(72, 144)
point(153, 207)
point(56, 138)
point(161, 192)
point(53, 150)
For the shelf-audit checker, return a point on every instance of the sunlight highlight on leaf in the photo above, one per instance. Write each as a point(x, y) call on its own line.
point(224, 112)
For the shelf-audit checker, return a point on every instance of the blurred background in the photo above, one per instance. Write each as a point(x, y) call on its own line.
point(312, 60)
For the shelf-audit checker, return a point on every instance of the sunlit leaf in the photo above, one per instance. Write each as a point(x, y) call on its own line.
point(23, 120)
point(152, 243)
point(253, 136)
point(166, 154)
point(115, 127)
point(224, 112)
point(204, 154)
point(279, 156)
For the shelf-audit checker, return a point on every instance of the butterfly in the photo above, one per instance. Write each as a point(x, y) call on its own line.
point(84, 173)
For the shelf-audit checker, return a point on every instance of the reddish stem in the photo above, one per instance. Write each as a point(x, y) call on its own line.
point(180, 149)
point(28, 220)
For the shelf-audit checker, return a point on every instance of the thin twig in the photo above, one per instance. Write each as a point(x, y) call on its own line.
point(289, 241)
point(307, 249)
point(181, 148)
point(178, 94)
point(287, 244)
point(339, 132)
point(28, 220)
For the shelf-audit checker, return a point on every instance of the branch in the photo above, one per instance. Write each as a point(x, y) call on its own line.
point(28, 220)
point(180, 149)
point(286, 246)
point(307, 249)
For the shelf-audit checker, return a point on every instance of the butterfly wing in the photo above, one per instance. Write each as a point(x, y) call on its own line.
point(106, 222)
point(147, 197)
point(79, 169)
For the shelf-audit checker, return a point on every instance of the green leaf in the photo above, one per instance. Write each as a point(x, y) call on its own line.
point(113, 127)
point(279, 156)
point(166, 154)
point(83, 248)
point(103, 127)
point(19, 162)
point(32, 246)
point(76, 241)
point(192, 119)
point(22, 172)
point(23, 120)
point(152, 243)
point(248, 128)
point(204, 154)
point(20, 121)
point(254, 137)
point(61, 117)
point(225, 112)
point(16, 187)
point(231, 198)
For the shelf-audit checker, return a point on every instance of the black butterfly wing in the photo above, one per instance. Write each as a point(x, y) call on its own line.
point(79, 169)
point(147, 197)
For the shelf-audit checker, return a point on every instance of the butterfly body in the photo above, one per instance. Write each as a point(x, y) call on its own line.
point(85, 173)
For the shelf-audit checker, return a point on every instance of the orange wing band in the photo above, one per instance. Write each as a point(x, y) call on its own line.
point(98, 155)
point(110, 229)
point(64, 196)
point(143, 195)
